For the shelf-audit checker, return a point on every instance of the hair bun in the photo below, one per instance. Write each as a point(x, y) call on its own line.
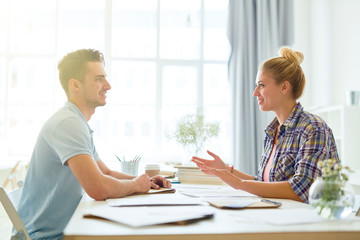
point(291, 55)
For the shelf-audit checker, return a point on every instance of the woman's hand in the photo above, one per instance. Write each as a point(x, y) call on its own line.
point(226, 176)
point(204, 164)
point(159, 181)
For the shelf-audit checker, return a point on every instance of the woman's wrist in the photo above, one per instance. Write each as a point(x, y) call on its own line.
point(230, 168)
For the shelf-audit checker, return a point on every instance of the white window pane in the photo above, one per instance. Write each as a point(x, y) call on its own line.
point(222, 144)
point(216, 85)
point(32, 81)
point(216, 45)
point(59, 96)
point(3, 24)
point(133, 82)
point(24, 124)
point(2, 81)
point(82, 25)
point(125, 129)
point(179, 85)
point(134, 28)
point(3, 149)
point(170, 116)
point(133, 122)
point(33, 26)
point(180, 29)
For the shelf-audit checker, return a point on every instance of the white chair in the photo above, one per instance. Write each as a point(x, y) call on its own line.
point(10, 201)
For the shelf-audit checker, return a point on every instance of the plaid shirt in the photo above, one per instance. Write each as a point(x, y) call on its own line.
point(303, 140)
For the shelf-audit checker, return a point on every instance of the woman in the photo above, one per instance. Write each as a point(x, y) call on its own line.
point(295, 140)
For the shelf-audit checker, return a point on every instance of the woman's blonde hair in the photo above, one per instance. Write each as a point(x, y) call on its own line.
point(287, 67)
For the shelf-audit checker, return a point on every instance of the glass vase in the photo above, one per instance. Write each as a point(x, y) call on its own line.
point(331, 199)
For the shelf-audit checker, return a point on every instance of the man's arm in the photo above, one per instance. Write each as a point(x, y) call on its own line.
point(101, 186)
point(107, 171)
point(156, 181)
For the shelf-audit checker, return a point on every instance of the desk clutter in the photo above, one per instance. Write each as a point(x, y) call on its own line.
point(191, 203)
point(193, 175)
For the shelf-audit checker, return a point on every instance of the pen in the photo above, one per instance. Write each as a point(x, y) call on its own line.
point(137, 158)
point(175, 182)
point(272, 202)
point(118, 158)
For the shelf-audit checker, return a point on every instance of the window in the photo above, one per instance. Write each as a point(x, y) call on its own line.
point(164, 59)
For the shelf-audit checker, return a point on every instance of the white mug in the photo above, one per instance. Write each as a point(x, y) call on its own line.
point(152, 169)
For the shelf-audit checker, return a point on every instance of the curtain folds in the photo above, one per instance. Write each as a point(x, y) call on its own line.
point(256, 30)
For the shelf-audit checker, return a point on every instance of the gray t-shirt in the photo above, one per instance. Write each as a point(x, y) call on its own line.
point(51, 192)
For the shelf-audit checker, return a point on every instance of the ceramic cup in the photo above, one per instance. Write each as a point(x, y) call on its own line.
point(130, 167)
point(152, 169)
point(353, 98)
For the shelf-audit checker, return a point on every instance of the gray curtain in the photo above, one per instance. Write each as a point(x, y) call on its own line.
point(256, 30)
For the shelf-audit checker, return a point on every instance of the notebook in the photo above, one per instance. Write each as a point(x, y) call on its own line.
point(244, 204)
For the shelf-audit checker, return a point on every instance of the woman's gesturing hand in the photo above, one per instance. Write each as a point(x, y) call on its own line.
point(226, 176)
point(215, 163)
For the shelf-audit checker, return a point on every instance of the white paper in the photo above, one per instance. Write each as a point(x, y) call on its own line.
point(282, 216)
point(216, 193)
point(153, 200)
point(145, 216)
point(196, 186)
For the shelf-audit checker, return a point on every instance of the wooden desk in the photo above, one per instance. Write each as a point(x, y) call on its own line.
point(224, 225)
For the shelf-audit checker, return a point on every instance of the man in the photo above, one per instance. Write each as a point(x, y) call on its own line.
point(64, 162)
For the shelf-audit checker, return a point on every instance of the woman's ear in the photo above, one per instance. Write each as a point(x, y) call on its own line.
point(285, 87)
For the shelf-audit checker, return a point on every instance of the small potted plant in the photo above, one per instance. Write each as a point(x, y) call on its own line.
point(192, 132)
point(331, 195)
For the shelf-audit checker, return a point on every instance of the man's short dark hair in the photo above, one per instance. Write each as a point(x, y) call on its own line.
point(73, 65)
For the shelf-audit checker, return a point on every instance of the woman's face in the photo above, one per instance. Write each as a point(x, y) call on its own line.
point(268, 93)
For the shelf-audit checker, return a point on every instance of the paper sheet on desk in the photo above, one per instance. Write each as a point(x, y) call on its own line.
point(282, 216)
point(215, 193)
point(153, 200)
point(145, 216)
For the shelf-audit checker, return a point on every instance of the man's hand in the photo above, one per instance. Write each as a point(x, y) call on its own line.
point(142, 183)
point(159, 181)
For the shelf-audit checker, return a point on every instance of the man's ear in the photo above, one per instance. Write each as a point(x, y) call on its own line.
point(73, 84)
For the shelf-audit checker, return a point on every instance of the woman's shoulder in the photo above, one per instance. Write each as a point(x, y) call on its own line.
point(311, 121)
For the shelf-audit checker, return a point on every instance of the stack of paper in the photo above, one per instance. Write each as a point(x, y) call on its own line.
point(192, 174)
point(145, 216)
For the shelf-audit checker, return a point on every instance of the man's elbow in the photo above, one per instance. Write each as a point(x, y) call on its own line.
point(99, 193)
point(98, 196)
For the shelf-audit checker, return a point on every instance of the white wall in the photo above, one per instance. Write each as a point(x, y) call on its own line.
point(328, 33)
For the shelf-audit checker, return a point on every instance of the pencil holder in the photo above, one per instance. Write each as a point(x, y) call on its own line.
point(130, 167)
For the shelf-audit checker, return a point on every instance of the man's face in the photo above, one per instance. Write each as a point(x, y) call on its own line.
point(95, 85)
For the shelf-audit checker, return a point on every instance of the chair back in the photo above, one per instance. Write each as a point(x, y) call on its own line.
point(10, 202)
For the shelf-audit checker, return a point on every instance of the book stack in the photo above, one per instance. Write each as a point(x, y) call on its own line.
point(193, 175)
